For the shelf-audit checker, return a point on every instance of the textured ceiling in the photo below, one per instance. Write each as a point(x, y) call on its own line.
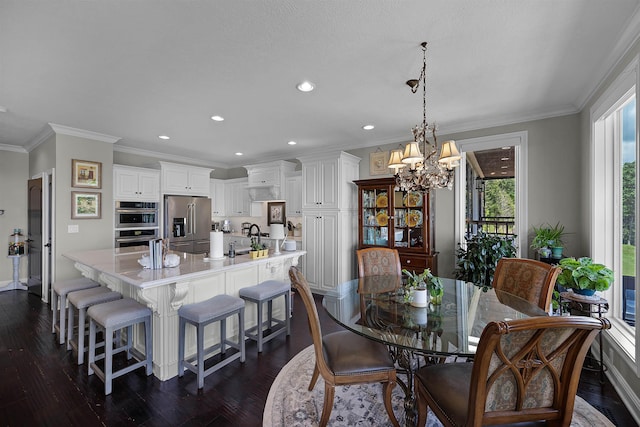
point(139, 69)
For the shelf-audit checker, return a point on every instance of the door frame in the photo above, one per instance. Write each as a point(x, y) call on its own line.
point(48, 230)
point(517, 140)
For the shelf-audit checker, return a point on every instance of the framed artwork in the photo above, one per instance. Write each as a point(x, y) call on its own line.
point(275, 213)
point(86, 205)
point(86, 174)
point(378, 163)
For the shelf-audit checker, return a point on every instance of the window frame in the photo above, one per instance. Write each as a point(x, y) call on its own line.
point(605, 202)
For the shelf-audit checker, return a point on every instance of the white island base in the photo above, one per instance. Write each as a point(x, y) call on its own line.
point(165, 290)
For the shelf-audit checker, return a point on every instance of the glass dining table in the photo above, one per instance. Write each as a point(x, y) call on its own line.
point(375, 308)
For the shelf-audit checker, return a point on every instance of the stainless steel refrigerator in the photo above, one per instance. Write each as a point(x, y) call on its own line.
point(187, 223)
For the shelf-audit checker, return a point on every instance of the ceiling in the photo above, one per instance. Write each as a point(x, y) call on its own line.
point(139, 69)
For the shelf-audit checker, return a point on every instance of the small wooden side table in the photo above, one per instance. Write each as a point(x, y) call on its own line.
point(588, 306)
point(15, 284)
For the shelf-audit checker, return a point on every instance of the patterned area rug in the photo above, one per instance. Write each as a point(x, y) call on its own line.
point(290, 404)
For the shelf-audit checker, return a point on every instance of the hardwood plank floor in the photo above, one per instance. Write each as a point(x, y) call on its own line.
point(42, 386)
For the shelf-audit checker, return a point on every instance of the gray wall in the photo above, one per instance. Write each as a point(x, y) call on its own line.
point(554, 175)
point(14, 173)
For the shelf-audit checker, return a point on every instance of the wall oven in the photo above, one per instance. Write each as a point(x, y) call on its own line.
point(136, 214)
point(139, 237)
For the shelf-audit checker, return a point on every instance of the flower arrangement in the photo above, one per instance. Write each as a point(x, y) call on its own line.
point(424, 280)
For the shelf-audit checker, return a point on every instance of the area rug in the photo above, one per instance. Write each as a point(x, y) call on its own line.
point(289, 403)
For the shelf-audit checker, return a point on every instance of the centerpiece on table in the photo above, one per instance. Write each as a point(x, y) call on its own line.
point(258, 250)
point(583, 276)
point(422, 288)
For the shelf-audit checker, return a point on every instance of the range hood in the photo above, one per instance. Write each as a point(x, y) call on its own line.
point(264, 193)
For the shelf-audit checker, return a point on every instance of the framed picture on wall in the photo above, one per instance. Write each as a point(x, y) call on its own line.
point(378, 163)
point(86, 174)
point(275, 213)
point(86, 205)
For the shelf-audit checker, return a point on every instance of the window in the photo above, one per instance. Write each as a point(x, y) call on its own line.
point(613, 201)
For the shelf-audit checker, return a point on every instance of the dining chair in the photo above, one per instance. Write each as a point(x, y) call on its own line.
point(524, 370)
point(528, 279)
point(343, 357)
point(378, 261)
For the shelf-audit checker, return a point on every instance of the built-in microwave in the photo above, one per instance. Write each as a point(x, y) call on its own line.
point(136, 214)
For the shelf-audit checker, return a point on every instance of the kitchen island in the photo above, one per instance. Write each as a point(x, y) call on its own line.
point(165, 290)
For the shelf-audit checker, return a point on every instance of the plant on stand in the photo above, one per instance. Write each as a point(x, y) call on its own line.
point(547, 240)
point(477, 263)
point(584, 277)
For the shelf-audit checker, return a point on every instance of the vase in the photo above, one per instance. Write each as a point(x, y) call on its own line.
point(556, 252)
point(585, 292)
point(419, 298)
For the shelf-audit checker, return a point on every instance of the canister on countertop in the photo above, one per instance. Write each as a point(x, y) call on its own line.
point(232, 249)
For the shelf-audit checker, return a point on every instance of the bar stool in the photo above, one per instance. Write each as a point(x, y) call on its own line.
point(266, 292)
point(113, 316)
point(200, 314)
point(81, 301)
point(60, 289)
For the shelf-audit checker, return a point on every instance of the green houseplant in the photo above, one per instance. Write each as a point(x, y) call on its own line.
point(547, 240)
point(258, 250)
point(425, 280)
point(584, 276)
point(477, 263)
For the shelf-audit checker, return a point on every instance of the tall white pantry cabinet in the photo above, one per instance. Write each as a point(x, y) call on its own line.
point(329, 218)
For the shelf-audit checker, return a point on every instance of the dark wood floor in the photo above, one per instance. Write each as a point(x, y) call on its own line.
point(42, 386)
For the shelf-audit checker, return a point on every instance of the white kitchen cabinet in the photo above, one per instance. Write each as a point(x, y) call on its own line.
point(183, 179)
point(293, 193)
point(218, 198)
point(327, 181)
point(237, 201)
point(266, 181)
point(131, 183)
point(321, 241)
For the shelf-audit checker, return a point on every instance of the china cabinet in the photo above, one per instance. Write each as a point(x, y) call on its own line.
point(397, 219)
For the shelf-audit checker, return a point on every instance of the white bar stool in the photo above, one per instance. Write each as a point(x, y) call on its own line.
point(59, 290)
point(82, 300)
point(113, 316)
point(266, 292)
point(200, 314)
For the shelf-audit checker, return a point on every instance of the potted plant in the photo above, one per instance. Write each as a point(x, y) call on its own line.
point(584, 276)
point(547, 240)
point(258, 250)
point(423, 282)
point(477, 263)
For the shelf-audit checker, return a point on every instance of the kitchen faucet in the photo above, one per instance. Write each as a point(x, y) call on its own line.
point(257, 234)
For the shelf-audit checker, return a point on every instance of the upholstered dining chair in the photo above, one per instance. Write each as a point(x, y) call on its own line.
point(378, 261)
point(524, 370)
point(343, 357)
point(528, 279)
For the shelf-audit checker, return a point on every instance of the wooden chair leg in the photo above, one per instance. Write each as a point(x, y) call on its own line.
point(388, 389)
point(421, 404)
point(328, 404)
point(314, 377)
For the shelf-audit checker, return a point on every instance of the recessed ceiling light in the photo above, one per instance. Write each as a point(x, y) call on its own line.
point(506, 148)
point(305, 86)
point(164, 137)
point(503, 173)
point(504, 158)
point(238, 154)
point(368, 127)
point(292, 143)
point(504, 167)
point(492, 173)
point(217, 118)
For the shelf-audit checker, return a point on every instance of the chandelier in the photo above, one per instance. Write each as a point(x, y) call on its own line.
point(419, 167)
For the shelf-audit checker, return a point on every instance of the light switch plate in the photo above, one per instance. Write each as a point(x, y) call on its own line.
point(73, 228)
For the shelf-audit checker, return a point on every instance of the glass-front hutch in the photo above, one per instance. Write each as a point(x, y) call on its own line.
point(397, 219)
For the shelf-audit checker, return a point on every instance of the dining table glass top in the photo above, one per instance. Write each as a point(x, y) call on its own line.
point(375, 307)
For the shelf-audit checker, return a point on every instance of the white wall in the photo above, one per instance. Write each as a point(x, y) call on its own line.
point(14, 173)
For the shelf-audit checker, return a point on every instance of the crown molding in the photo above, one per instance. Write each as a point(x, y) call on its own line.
point(15, 148)
point(167, 157)
point(81, 133)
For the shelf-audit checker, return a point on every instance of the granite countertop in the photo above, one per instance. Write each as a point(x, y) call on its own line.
point(122, 263)
point(240, 235)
